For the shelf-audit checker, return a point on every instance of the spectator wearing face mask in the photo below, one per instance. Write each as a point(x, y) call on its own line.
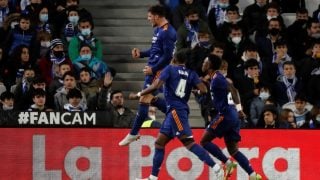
point(235, 46)
point(257, 105)
point(71, 28)
point(49, 65)
point(87, 59)
point(85, 37)
point(188, 33)
point(44, 38)
point(43, 21)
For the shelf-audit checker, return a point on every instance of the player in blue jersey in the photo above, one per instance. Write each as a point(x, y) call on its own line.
point(160, 55)
point(226, 124)
point(178, 81)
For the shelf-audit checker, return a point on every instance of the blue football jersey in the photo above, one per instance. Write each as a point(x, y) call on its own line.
point(161, 50)
point(219, 92)
point(179, 82)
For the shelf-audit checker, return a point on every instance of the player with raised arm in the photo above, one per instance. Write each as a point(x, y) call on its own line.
point(178, 81)
point(226, 124)
point(160, 55)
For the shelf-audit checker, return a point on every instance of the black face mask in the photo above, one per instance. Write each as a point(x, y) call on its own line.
point(36, 6)
point(194, 22)
point(58, 54)
point(274, 31)
point(302, 21)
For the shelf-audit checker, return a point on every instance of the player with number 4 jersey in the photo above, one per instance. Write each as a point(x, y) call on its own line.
point(178, 81)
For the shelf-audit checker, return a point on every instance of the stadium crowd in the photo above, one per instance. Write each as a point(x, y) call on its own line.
point(50, 59)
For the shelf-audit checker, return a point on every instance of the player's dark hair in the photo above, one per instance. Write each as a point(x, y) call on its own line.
point(157, 10)
point(215, 62)
point(182, 55)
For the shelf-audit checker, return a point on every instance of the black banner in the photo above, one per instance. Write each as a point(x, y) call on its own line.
point(55, 119)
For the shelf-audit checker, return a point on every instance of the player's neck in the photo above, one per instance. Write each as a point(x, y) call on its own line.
point(162, 22)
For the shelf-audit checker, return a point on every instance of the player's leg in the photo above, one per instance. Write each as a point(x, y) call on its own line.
point(141, 116)
point(161, 141)
point(160, 104)
point(243, 161)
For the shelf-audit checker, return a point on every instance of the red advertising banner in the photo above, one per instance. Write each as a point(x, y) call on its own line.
point(74, 153)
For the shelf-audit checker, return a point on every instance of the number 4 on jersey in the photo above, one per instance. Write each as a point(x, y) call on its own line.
point(180, 91)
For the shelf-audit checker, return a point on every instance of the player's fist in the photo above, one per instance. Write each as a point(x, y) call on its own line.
point(135, 53)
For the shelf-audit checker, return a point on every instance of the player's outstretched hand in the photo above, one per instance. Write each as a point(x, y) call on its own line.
point(135, 53)
point(146, 99)
point(133, 96)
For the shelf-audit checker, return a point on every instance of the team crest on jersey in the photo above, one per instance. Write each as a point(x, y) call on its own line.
point(155, 38)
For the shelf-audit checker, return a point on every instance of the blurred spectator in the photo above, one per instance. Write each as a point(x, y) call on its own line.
point(151, 121)
point(88, 85)
point(314, 118)
point(39, 83)
point(4, 11)
point(182, 8)
point(235, 44)
point(7, 101)
point(32, 10)
point(61, 14)
point(199, 53)
point(39, 100)
point(22, 34)
point(71, 28)
point(288, 85)
point(287, 119)
point(21, 90)
point(301, 109)
point(217, 15)
point(49, 65)
point(316, 14)
point(42, 22)
point(88, 59)
point(309, 67)
point(254, 14)
point(76, 103)
point(280, 56)
point(8, 24)
point(269, 118)
point(187, 34)
point(43, 38)
point(250, 52)
point(6, 108)
point(249, 85)
point(257, 105)
point(57, 82)
point(297, 31)
point(232, 17)
point(19, 61)
point(85, 37)
point(60, 98)
point(265, 42)
point(123, 115)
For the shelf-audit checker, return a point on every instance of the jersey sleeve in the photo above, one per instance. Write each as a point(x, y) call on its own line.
point(195, 80)
point(164, 75)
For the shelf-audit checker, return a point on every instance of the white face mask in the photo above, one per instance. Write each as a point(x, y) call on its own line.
point(236, 40)
point(13, 24)
point(264, 95)
point(153, 117)
point(45, 44)
point(316, 35)
point(271, 17)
